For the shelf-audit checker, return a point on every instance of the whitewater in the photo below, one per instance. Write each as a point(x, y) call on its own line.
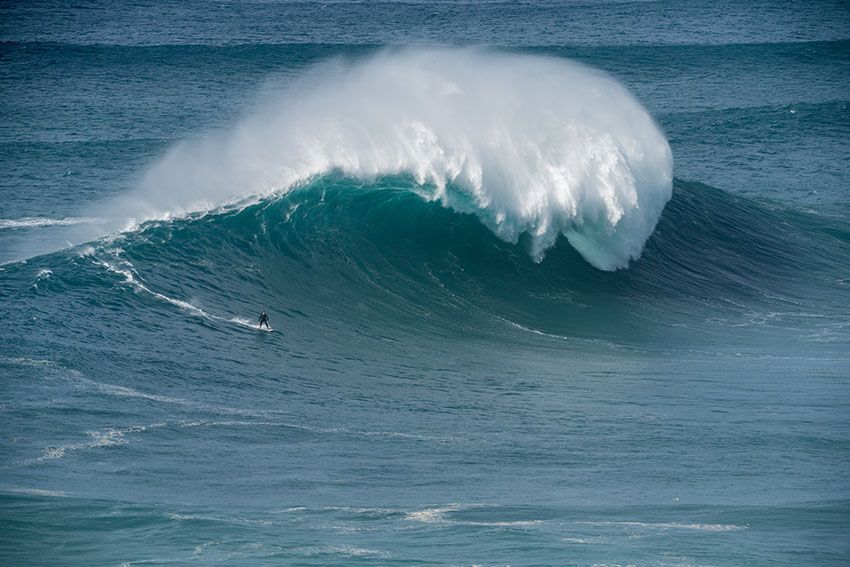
point(530, 144)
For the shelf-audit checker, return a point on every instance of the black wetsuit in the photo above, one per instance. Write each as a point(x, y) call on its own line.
point(264, 320)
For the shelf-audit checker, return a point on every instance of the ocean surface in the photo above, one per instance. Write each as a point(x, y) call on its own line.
point(550, 283)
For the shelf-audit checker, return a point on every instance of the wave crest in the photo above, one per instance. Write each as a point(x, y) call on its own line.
point(529, 144)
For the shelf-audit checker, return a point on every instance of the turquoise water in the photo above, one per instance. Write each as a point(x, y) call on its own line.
point(457, 373)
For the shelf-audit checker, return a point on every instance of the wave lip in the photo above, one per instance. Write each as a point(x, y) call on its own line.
point(531, 145)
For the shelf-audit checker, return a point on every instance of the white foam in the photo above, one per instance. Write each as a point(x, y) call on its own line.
point(125, 269)
point(97, 439)
point(223, 519)
point(349, 551)
point(33, 362)
point(38, 222)
point(84, 251)
point(529, 144)
point(242, 321)
point(33, 491)
point(534, 331)
point(578, 540)
point(352, 551)
point(111, 389)
point(432, 515)
point(669, 526)
point(115, 390)
point(131, 280)
point(504, 524)
point(438, 515)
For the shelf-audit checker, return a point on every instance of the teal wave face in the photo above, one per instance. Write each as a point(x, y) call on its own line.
point(338, 252)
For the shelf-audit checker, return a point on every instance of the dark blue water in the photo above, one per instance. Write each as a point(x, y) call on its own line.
point(443, 385)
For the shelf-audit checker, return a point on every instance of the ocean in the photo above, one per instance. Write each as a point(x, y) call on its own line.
point(550, 283)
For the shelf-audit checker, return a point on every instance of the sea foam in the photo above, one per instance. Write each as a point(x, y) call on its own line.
point(529, 144)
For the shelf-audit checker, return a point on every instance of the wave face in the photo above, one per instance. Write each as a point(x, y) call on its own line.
point(337, 251)
point(530, 145)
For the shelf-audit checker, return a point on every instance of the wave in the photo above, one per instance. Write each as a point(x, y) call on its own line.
point(531, 145)
point(374, 259)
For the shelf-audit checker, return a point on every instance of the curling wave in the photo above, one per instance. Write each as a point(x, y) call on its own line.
point(530, 145)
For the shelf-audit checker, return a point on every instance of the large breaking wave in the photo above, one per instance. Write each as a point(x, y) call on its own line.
point(530, 145)
point(376, 259)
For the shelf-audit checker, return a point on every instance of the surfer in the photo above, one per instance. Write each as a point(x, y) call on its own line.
point(264, 320)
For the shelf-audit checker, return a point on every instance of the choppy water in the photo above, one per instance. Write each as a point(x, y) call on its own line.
point(452, 379)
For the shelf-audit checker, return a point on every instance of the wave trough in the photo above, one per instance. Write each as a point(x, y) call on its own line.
point(530, 145)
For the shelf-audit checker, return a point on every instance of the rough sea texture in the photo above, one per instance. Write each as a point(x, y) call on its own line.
point(551, 283)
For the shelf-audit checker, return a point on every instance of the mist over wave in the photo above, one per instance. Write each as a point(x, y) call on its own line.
point(529, 144)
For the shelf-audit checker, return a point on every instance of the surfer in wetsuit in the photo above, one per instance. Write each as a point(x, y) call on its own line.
point(264, 320)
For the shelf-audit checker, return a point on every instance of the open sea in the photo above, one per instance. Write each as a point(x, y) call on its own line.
point(550, 283)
